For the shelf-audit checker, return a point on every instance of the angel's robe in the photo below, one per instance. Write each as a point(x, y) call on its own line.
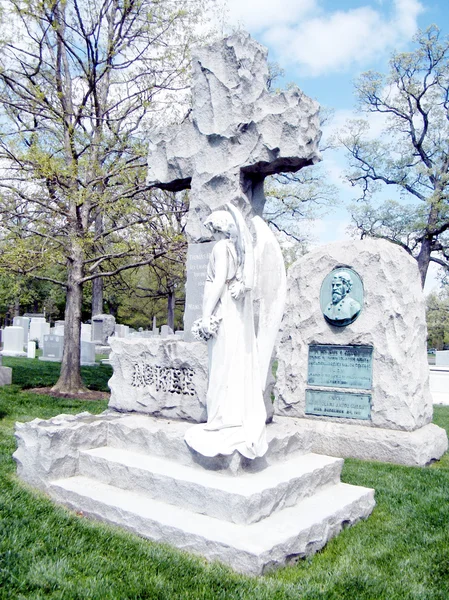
point(235, 406)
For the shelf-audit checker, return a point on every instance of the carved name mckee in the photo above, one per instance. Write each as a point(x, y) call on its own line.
point(164, 379)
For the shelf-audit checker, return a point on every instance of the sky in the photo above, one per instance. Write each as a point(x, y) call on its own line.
point(323, 45)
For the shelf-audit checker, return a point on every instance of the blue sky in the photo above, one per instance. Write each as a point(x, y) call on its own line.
point(323, 45)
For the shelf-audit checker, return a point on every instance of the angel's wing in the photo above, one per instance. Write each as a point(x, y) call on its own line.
point(270, 289)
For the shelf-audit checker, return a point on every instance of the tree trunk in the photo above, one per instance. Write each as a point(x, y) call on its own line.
point(70, 378)
point(97, 296)
point(97, 284)
point(171, 309)
point(423, 260)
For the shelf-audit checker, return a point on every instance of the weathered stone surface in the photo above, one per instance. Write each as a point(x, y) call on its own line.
point(236, 134)
point(49, 449)
point(392, 320)
point(161, 377)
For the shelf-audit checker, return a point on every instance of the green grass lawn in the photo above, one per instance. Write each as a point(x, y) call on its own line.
point(400, 552)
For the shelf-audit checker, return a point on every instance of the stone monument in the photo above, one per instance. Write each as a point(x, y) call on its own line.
point(264, 500)
point(352, 361)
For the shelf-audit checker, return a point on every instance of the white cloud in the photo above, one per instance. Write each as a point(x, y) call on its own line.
point(301, 32)
point(258, 15)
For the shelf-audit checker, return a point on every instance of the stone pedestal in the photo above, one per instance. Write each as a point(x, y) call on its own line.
point(137, 472)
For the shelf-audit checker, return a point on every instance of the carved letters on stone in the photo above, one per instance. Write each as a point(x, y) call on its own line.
point(165, 379)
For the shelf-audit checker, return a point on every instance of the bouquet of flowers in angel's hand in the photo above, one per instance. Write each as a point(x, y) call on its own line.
point(205, 328)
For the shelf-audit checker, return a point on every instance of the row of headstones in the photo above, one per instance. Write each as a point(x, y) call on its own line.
point(52, 343)
point(164, 332)
point(20, 339)
point(26, 333)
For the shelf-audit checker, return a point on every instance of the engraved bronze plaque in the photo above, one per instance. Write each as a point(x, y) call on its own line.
point(340, 366)
point(344, 405)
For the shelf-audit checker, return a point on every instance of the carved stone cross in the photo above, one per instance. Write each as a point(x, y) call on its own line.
point(236, 134)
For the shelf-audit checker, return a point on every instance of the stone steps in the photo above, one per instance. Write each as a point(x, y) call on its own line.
point(246, 499)
point(137, 472)
point(283, 537)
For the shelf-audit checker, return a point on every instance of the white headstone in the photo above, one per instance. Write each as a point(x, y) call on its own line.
point(38, 328)
point(57, 330)
point(31, 350)
point(166, 331)
point(86, 332)
point(121, 331)
point(87, 353)
point(13, 341)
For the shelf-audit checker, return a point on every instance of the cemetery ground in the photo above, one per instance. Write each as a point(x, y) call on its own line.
point(400, 552)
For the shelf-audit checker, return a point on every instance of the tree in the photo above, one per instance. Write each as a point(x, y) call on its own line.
point(77, 80)
point(411, 155)
point(150, 291)
point(296, 199)
point(438, 319)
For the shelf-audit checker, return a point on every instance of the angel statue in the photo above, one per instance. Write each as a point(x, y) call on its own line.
point(243, 279)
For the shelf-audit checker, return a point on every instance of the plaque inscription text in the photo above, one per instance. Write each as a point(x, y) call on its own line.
point(338, 404)
point(340, 366)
